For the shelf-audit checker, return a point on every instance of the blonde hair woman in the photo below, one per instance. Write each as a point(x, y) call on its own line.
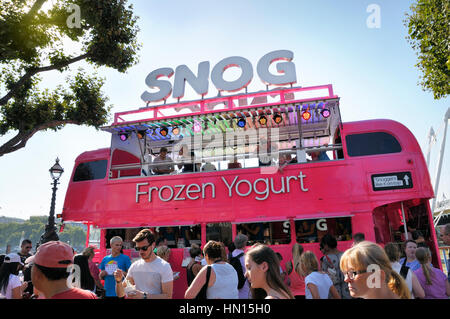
point(369, 274)
point(318, 284)
point(163, 252)
point(296, 281)
point(434, 282)
point(263, 272)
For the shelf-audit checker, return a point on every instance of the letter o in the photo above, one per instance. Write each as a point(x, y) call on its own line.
point(161, 191)
point(236, 85)
point(249, 186)
point(286, 69)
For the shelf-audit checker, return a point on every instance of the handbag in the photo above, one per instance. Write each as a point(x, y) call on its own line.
point(202, 293)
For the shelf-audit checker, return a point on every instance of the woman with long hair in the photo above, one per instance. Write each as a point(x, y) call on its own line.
point(318, 283)
point(263, 272)
point(89, 253)
point(86, 280)
point(296, 281)
point(10, 285)
point(369, 275)
point(433, 281)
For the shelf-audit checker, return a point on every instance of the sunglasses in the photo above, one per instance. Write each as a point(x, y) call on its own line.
point(352, 274)
point(143, 248)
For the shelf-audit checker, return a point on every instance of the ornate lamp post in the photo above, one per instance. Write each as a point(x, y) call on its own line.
point(50, 229)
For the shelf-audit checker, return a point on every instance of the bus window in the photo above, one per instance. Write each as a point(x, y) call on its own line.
point(90, 170)
point(219, 232)
point(178, 236)
point(312, 230)
point(269, 233)
point(94, 236)
point(372, 144)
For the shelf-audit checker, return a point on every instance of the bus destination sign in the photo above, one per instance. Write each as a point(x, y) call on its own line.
point(401, 180)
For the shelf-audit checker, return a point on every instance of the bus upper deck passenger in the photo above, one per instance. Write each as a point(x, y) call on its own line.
point(208, 167)
point(234, 164)
point(167, 166)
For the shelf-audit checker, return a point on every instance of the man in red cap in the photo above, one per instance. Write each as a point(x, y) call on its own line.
point(49, 273)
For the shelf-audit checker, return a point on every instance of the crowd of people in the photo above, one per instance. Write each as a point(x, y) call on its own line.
point(366, 270)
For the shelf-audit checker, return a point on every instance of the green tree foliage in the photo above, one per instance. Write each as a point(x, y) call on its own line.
point(429, 35)
point(11, 233)
point(34, 41)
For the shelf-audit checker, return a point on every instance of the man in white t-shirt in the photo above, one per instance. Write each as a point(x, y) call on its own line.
point(151, 275)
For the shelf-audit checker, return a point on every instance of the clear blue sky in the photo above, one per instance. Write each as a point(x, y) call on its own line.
point(371, 69)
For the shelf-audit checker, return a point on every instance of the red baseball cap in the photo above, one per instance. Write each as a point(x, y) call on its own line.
point(54, 254)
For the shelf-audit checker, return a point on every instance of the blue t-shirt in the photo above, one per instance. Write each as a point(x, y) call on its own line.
point(111, 264)
point(323, 156)
point(414, 265)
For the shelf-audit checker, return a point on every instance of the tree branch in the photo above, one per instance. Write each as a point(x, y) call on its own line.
point(34, 71)
point(34, 9)
point(20, 140)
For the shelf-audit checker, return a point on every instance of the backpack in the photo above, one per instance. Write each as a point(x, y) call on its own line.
point(236, 263)
point(333, 272)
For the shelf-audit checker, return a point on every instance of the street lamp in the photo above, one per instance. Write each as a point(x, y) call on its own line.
point(50, 229)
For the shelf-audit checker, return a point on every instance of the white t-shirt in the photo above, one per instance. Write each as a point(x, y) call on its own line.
point(14, 282)
point(322, 282)
point(148, 276)
point(396, 266)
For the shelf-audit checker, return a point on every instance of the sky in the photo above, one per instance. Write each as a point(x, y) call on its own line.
point(363, 54)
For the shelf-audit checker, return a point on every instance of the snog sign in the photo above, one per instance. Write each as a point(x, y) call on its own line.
point(200, 81)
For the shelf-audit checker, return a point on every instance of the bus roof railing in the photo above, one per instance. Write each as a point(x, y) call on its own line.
point(241, 104)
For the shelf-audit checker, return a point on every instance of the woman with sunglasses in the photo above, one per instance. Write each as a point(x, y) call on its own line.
point(369, 275)
point(151, 275)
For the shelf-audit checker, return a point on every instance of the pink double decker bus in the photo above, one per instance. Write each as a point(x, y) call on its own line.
point(277, 165)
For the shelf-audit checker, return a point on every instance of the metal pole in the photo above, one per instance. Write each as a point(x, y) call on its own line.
point(404, 222)
point(50, 229)
point(441, 157)
point(431, 139)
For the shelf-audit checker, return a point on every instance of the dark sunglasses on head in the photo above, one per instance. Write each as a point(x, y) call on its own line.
point(144, 248)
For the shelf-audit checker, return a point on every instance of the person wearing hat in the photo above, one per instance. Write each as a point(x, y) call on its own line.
point(240, 241)
point(165, 163)
point(50, 272)
point(11, 287)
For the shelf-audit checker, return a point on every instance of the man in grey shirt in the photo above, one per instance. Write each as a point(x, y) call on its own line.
point(166, 166)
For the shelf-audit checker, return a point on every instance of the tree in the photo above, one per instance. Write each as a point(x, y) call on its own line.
point(33, 41)
point(428, 33)
point(12, 232)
